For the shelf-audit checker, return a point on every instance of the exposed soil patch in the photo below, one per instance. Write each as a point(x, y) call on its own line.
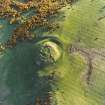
point(90, 55)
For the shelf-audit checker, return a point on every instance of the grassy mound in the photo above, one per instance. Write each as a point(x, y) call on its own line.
point(47, 52)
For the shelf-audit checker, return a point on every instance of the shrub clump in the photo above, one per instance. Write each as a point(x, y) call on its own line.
point(47, 52)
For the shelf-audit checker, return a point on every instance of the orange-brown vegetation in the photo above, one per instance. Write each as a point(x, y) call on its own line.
point(44, 9)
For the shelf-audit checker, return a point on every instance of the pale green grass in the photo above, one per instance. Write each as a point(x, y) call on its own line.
point(22, 81)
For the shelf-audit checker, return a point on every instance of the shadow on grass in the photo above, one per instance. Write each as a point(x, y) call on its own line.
point(22, 78)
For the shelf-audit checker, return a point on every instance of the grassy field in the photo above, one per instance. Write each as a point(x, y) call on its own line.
point(21, 81)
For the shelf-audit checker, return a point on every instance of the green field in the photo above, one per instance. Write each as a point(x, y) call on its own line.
point(22, 81)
